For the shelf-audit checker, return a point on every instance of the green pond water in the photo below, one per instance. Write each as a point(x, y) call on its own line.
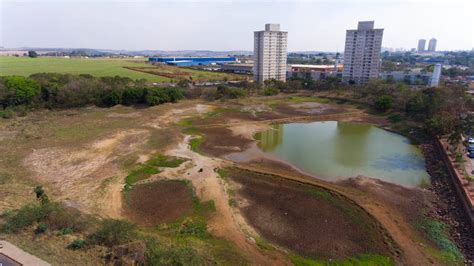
point(332, 150)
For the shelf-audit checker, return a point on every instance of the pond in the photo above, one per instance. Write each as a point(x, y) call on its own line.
point(331, 150)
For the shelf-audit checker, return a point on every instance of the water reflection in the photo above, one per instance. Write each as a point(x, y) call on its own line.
point(350, 144)
point(272, 138)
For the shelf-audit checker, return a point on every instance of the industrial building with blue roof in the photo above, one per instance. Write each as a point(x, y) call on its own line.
point(191, 61)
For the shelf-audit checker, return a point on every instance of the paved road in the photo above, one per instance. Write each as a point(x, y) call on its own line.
point(11, 255)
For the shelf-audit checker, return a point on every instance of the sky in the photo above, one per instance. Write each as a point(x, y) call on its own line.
point(223, 25)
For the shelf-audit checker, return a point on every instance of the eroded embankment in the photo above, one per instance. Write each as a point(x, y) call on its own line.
point(309, 220)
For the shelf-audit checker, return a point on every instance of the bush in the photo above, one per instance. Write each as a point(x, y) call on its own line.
point(113, 232)
point(269, 91)
point(229, 92)
point(54, 215)
point(77, 244)
point(158, 254)
point(7, 113)
point(155, 96)
point(19, 90)
point(383, 103)
point(133, 96)
point(111, 98)
point(41, 228)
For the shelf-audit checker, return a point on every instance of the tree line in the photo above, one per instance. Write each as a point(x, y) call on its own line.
point(52, 90)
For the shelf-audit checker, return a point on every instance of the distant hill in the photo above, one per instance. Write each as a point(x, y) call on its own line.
point(106, 52)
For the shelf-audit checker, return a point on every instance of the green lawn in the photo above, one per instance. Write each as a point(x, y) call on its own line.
point(25, 66)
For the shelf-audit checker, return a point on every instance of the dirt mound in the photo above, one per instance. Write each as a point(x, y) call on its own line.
point(159, 202)
point(306, 219)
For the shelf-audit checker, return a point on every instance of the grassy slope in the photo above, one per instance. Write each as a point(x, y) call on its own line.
point(25, 66)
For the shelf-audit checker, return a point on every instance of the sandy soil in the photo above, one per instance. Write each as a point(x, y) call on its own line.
point(77, 173)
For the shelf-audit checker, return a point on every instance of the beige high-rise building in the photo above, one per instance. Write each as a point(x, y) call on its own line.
point(270, 53)
point(432, 45)
point(362, 53)
point(421, 45)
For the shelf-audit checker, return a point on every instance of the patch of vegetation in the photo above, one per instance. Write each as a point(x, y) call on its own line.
point(232, 203)
point(302, 99)
point(222, 173)
point(394, 118)
point(54, 216)
point(113, 232)
point(362, 260)
point(437, 232)
point(159, 254)
point(149, 168)
point(77, 244)
point(141, 172)
point(186, 122)
point(195, 142)
point(263, 244)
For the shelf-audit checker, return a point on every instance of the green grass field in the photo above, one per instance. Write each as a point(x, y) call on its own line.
point(25, 66)
point(100, 67)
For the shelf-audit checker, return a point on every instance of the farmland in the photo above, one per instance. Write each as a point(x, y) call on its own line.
point(134, 69)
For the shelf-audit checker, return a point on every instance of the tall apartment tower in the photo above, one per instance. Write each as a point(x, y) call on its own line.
point(421, 45)
point(270, 53)
point(432, 45)
point(362, 53)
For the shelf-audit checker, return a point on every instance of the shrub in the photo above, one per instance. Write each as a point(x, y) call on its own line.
point(7, 113)
point(54, 215)
point(155, 96)
point(41, 228)
point(383, 103)
point(158, 254)
point(192, 227)
point(113, 232)
point(111, 98)
point(20, 90)
point(25, 216)
point(269, 91)
point(133, 96)
point(77, 244)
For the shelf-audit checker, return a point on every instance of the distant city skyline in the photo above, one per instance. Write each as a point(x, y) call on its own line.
point(228, 25)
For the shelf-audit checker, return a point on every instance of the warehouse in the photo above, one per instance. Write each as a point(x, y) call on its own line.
point(191, 61)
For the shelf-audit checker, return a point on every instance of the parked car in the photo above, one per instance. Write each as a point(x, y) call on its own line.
point(470, 147)
point(470, 140)
point(470, 154)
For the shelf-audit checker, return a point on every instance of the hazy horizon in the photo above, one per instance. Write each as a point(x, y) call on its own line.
point(228, 25)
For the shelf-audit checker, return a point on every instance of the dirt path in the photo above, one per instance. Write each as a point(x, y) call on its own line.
point(227, 223)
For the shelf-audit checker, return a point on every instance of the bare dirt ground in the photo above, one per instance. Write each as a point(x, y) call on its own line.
point(158, 202)
point(225, 223)
point(309, 220)
point(82, 157)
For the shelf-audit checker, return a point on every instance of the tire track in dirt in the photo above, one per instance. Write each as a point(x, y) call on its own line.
point(226, 223)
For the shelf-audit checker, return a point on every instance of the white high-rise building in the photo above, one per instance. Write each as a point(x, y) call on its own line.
point(270, 53)
point(432, 45)
point(434, 82)
point(421, 45)
point(362, 53)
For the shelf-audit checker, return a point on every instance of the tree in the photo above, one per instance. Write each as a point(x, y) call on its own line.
point(20, 90)
point(383, 103)
point(32, 54)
